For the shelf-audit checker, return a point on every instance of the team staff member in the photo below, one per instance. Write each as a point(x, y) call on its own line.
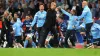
point(6, 28)
point(70, 29)
point(49, 25)
point(87, 16)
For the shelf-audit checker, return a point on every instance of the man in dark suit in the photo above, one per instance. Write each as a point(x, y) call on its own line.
point(49, 25)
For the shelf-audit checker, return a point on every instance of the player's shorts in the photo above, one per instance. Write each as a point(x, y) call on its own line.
point(30, 35)
point(18, 39)
point(82, 30)
point(48, 38)
point(96, 42)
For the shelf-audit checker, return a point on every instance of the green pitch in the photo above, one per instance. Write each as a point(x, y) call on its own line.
point(49, 52)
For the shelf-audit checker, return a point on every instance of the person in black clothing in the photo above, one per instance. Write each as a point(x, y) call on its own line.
point(12, 10)
point(20, 11)
point(31, 8)
point(37, 5)
point(78, 10)
point(1, 11)
point(6, 29)
point(49, 25)
point(0, 30)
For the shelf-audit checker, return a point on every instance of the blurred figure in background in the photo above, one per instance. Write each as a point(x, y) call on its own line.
point(6, 28)
point(20, 11)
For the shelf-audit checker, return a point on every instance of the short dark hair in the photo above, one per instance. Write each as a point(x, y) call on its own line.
point(28, 15)
point(0, 17)
point(41, 4)
point(15, 19)
point(16, 13)
point(20, 4)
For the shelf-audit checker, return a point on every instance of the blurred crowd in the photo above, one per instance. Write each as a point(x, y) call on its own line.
point(33, 5)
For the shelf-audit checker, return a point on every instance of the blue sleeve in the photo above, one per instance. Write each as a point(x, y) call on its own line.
point(34, 20)
point(64, 25)
point(76, 23)
point(83, 25)
point(66, 13)
point(19, 20)
point(22, 30)
point(14, 27)
point(83, 14)
point(98, 26)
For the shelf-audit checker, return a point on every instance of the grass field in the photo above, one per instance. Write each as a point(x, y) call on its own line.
point(49, 52)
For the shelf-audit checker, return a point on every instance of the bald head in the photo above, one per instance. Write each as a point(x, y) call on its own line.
point(53, 5)
point(84, 3)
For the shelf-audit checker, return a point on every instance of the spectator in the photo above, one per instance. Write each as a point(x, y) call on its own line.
point(59, 2)
point(37, 5)
point(47, 6)
point(12, 10)
point(30, 9)
point(15, 3)
point(93, 10)
point(1, 11)
point(65, 5)
point(97, 5)
point(97, 15)
point(20, 11)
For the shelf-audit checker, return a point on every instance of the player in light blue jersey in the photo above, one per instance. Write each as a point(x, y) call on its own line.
point(39, 19)
point(70, 29)
point(87, 16)
point(17, 30)
point(95, 31)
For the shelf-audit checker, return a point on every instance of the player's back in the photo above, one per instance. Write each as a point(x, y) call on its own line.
point(17, 29)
